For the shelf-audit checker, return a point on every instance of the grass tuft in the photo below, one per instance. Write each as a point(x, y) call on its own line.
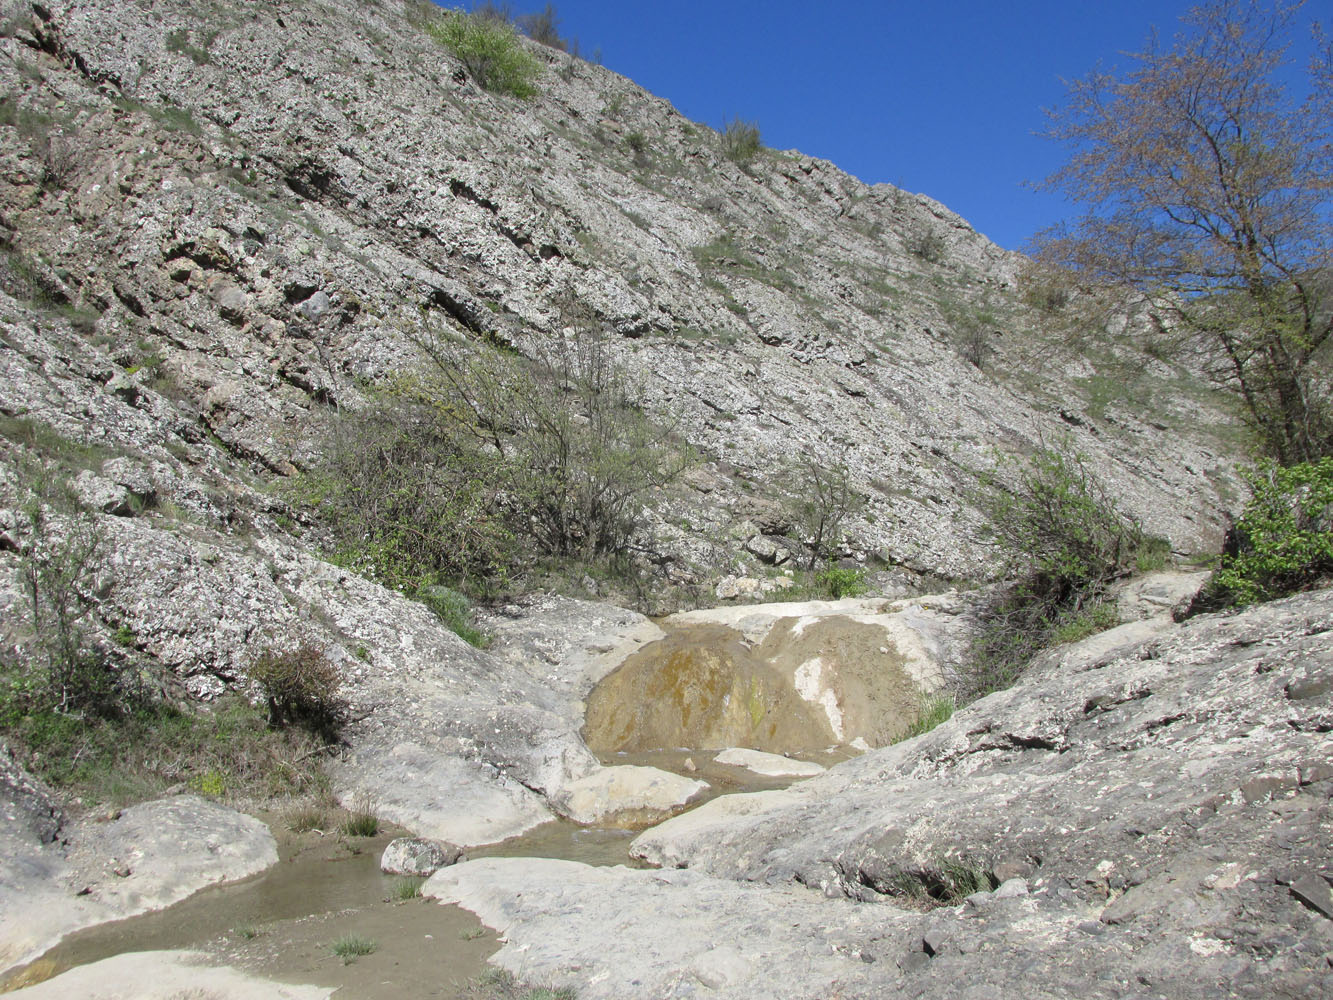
point(934, 709)
point(361, 819)
point(498, 984)
point(351, 947)
point(304, 819)
point(406, 889)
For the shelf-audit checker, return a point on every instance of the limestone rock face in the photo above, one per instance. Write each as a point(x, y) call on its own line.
point(780, 677)
point(273, 207)
point(626, 795)
point(768, 764)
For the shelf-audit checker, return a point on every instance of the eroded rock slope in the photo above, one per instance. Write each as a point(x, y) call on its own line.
point(249, 213)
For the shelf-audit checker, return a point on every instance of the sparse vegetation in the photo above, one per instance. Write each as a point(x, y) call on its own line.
point(361, 819)
point(945, 882)
point(819, 500)
point(352, 946)
point(489, 49)
point(925, 242)
point(482, 465)
point(405, 890)
point(179, 42)
point(307, 818)
point(59, 552)
point(64, 156)
point(149, 746)
point(1067, 541)
point(498, 984)
point(454, 610)
point(741, 142)
point(934, 709)
point(543, 27)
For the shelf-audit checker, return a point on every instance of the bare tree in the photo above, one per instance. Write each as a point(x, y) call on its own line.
point(1208, 185)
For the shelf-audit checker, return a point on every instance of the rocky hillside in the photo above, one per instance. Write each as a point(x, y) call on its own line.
point(223, 222)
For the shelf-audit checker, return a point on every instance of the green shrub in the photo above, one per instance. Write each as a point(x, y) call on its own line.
point(1062, 529)
point(472, 471)
point(411, 495)
point(838, 583)
point(740, 141)
point(1066, 542)
point(1284, 538)
point(301, 688)
point(576, 454)
point(489, 49)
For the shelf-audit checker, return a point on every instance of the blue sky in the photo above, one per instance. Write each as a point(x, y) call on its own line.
point(942, 99)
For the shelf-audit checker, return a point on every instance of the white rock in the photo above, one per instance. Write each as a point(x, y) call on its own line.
point(166, 975)
point(625, 795)
point(770, 765)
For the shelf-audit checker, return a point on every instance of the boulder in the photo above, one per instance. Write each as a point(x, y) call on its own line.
point(770, 765)
point(415, 856)
point(626, 796)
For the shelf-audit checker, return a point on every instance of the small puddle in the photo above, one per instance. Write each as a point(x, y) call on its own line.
point(282, 922)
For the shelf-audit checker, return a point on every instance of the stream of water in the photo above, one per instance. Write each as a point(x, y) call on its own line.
point(708, 689)
point(282, 922)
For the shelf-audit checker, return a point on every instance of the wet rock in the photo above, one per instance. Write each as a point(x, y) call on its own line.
point(769, 764)
point(625, 796)
point(415, 856)
point(782, 677)
point(166, 975)
point(152, 855)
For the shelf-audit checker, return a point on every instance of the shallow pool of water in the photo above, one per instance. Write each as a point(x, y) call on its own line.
point(282, 922)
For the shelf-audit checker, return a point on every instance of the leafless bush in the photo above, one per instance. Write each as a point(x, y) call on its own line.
point(543, 27)
point(64, 157)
